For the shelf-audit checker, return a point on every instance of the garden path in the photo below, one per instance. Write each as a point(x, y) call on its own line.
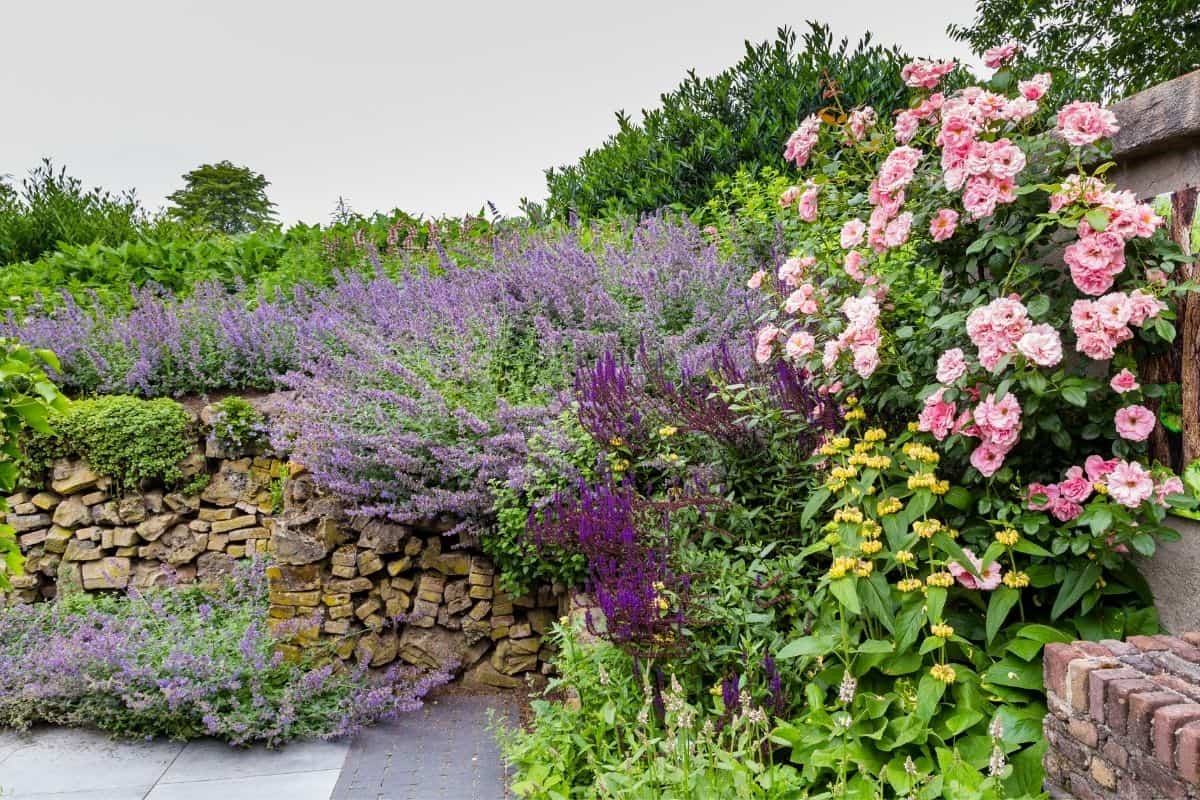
point(444, 750)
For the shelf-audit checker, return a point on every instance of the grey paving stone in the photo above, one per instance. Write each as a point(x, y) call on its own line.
point(66, 760)
point(208, 759)
point(445, 750)
point(292, 786)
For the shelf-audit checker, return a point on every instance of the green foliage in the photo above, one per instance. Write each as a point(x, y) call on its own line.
point(28, 399)
point(52, 209)
point(708, 128)
point(557, 460)
point(223, 197)
point(1106, 48)
point(125, 438)
point(237, 425)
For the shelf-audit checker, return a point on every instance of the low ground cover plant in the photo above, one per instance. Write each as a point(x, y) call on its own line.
point(185, 662)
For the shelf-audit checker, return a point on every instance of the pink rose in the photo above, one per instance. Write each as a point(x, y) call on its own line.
point(1144, 306)
point(1065, 510)
point(1167, 487)
point(1048, 494)
point(906, 126)
point(866, 360)
point(789, 196)
point(980, 197)
point(793, 269)
point(763, 341)
point(800, 344)
point(861, 119)
point(898, 169)
point(1134, 422)
point(1077, 487)
point(852, 233)
point(938, 416)
point(1082, 123)
point(1036, 87)
point(996, 57)
point(802, 141)
point(988, 578)
point(923, 74)
point(987, 459)
point(951, 366)
point(1124, 381)
point(756, 280)
point(1097, 468)
point(943, 224)
point(852, 266)
point(1041, 345)
point(806, 208)
point(1130, 484)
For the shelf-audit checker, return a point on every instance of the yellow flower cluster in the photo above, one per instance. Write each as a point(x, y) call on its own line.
point(667, 431)
point(855, 415)
point(874, 462)
point(841, 565)
point(843, 473)
point(922, 480)
point(921, 452)
point(905, 557)
point(926, 528)
point(941, 630)
point(870, 546)
point(852, 515)
point(888, 505)
point(875, 435)
point(941, 579)
point(1015, 579)
point(865, 568)
point(909, 584)
point(1008, 537)
point(942, 672)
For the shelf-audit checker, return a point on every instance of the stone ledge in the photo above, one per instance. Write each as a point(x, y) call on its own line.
point(1124, 718)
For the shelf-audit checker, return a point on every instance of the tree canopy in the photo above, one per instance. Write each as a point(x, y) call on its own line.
point(224, 197)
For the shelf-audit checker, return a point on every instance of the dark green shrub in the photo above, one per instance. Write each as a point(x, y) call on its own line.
point(125, 438)
point(237, 425)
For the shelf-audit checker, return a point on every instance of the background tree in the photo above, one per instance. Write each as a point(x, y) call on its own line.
point(1105, 48)
point(224, 197)
point(51, 208)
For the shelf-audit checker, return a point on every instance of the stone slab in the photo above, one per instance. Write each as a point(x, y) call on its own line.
point(208, 759)
point(313, 785)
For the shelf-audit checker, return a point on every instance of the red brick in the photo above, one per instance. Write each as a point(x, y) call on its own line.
point(1097, 683)
point(1148, 643)
point(1077, 679)
point(1055, 659)
point(1187, 752)
point(1168, 720)
point(1192, 638)
point(1183, 649)
point(1116, 700)
point(1119, 648)
point(1141, 708)
point(1094, 649)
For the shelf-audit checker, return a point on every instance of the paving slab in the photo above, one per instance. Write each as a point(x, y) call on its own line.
point(52, 761)
point(291, 786)
point(208, 759)
point(444, 751)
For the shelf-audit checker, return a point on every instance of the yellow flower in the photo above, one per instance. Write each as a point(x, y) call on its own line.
point(616, 441)
point(840, 443)
point(828, 450)
point(909, 584)
point(858, 460)
point(865, 568)
point(672, 458)
point(835, 484)
point(847, 514)
point(1101, 488)
point(888, 505)
point(1008, 537)
point(659, 586)
point(663, 604)
point(926, 528)
point(870, 529)
point(667, 430)
point(942, 672)
point(620, 465)
point(913, 427)
point(844, 473)
point(870, 546)
point(942, 631)
point(879, 462)
point(840, 566)
point(855, 415)
point(862, 447)
point(852, 401)
point(941, 579)
point(905, 557)
point(940, 487)
point(1016, 580)
point(875, 435)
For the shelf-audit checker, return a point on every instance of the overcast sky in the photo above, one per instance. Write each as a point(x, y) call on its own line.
point(433, 107)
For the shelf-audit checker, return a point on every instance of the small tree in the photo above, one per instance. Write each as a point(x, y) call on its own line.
point(1112, 48)
point(224, 197)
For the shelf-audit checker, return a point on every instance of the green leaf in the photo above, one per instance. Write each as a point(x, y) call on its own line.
point(1097, 218)
point(1077, 583)
point(1001, 603)
point(846, 592)
point(959, 497)
point(929, 693)
point(814, 504)
point(1075, 396)
point(807, 646)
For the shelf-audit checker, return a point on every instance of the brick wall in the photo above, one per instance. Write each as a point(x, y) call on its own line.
point(1124, 719)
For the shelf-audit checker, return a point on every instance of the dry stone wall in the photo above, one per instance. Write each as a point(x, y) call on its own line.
point(374, 590)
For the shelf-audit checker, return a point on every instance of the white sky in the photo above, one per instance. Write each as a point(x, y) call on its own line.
point(433, 107)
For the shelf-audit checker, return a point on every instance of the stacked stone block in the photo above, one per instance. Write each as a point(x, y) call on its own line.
point(1124, 719)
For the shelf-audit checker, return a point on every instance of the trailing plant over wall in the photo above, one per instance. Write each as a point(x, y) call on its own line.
point(125, 438)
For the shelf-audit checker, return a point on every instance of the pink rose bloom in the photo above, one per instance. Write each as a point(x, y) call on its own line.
point(1036, 87)
point(1097, 468)
point(896, 232)
point(1096, 345)
point(1095, 259)
point(1134, 423)
point(861, 119)
point(906, 126)
point(763, 341)
point(1050, 493)
point(938, 416)
point(943, 224)
point(898, 169)
point(756, 280)
point(800, 144)
point(807, 205)
point(852, 266)
point(1144, 306)
point(862, 312)
point(792, 270)
point(923, 74)
point(1001, 415)
point(1077, 487)
point(1130, 484)
point(980, 197)
point(988, 578)
point(852, 233)
point(1041, 345)
point(996, 57)
point(1065, 510)
point(800, 344)
point(801, 300)
point(789, 196)
point(1124, 381)
point(866, 360)
point(1082, 123)
point(1165, 488)
point(951, 366)
point(1018, 109)
point(1113, 310)
point(829, 356)
point(1157, 277)
point(987, 459)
